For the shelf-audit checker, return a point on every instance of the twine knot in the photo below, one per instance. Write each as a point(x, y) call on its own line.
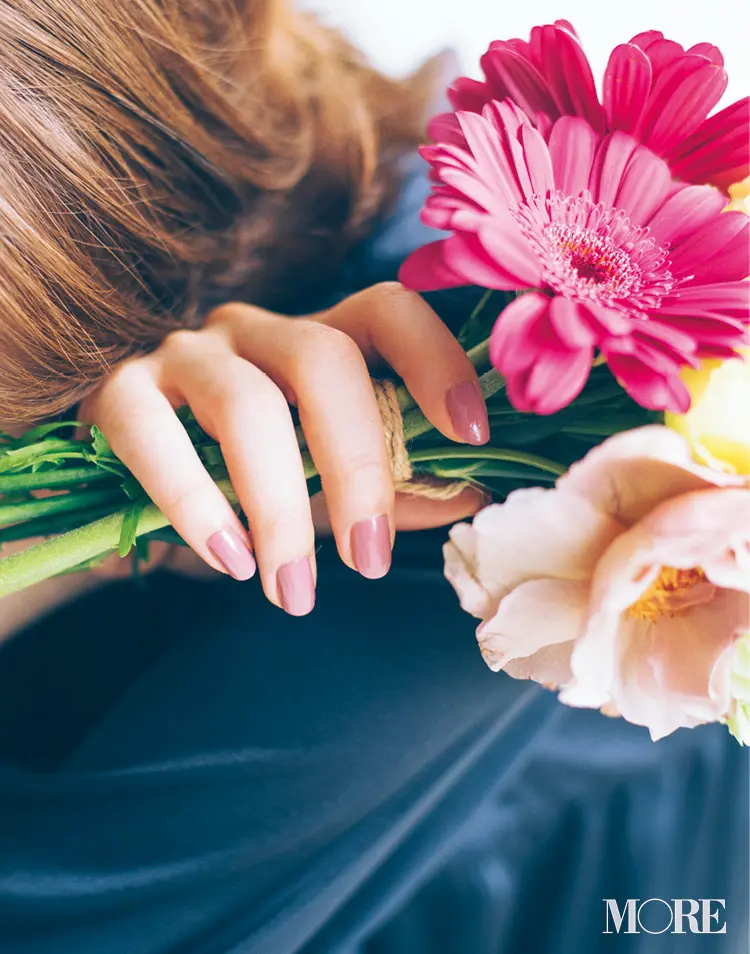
point(426, 485)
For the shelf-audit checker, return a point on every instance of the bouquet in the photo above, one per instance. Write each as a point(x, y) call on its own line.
point(609, 250)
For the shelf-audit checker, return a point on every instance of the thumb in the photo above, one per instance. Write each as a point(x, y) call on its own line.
point(416, 513)
point(422, 513)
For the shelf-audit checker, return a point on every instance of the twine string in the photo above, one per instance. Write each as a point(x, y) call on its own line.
point(404, 480)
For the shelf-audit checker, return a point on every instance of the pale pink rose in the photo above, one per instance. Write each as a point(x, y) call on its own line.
point(626, 586)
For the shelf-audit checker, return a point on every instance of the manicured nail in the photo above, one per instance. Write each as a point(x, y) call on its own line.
point(296, 586)
point(468, 412)
point(233, 553)
point(371, 547)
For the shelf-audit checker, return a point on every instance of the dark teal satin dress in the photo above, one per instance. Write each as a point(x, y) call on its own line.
point(184, 769)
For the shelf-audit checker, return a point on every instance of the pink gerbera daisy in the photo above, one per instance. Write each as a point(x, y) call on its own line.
point(653, 89)
point(617, 256)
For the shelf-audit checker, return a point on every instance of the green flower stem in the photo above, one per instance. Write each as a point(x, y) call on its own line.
point(62, 553)
point(54, 479)
point(479, 357)
point(477, 454)
point(54, 524)
point(44, 506)
point(78, 547)
point(416, 424)
point(18, 458)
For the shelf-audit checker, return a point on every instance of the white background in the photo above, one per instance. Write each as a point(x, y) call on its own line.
point(397, 34)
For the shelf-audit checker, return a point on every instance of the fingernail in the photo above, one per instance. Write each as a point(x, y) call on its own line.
point(468, 412)
point(296, 586)
point(371, 547)
point(233, 553)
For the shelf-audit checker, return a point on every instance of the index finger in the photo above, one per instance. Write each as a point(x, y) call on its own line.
point(391, 322)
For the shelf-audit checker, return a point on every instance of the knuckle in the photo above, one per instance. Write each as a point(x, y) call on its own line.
point(390, 288)
point(240, 390)
point(126, 379)
point(125, 375)
point(322, 344)
point(365, 475)
point(179, 343)
point(179, 502)
point(226, 314)
point(391, 294)
point(282, 524)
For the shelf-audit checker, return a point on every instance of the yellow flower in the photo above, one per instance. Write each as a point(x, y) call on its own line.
point(739, 196)
point(738, 717)
point(717, 426)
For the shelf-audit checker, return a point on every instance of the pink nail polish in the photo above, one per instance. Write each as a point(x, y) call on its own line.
point(371, 547)
point(233, 553)
point(296, 586)
point(468, 412)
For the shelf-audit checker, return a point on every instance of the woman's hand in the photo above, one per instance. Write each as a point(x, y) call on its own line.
point(238, 374)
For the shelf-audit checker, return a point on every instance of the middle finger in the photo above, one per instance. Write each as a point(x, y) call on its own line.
point(325, 373)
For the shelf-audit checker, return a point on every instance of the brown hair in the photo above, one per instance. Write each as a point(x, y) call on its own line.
point(160, 156)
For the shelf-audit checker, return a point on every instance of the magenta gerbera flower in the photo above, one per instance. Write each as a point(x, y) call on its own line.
point(653, 89)
point(617, 256)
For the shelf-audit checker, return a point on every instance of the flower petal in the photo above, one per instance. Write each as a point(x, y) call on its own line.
point(538, 162)
point(659, 672)
point(446, 128)
point(549, 666)
point(609, 164)
point(627, 81)
point(685, 91)
point(637, 693)
point(512, 343)
point(662, 53)
point(555, 379)
point(568, 74)
point(503, 240)
point(461, 571)
point(427, 270)
point(645, 186)
point(471, 94)
point(646, 39)
point(465, 255)
point(632, 472)
point(570, 323)
point(712, 53)
point(718, 151)
point(523, 624)
point(730, 299)
point(650, 388)
point(506, 69)
point(685, 212)
point(495, 166)
point(719, 252)
point(710, 529)
point(534, 534)
point(505, 122)
point(572, 145)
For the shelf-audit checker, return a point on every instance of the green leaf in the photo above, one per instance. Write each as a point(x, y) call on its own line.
point(130, 526)
point(51, 449)
point(38, 433)
point(165, 535)
point(141, 551)
point(478, 325)
point(100, 443)
point(78, 500)
point(91, 564)
point(211, 455)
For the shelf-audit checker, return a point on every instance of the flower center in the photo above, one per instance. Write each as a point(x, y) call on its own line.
point(593, 253)
point(670, 593)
